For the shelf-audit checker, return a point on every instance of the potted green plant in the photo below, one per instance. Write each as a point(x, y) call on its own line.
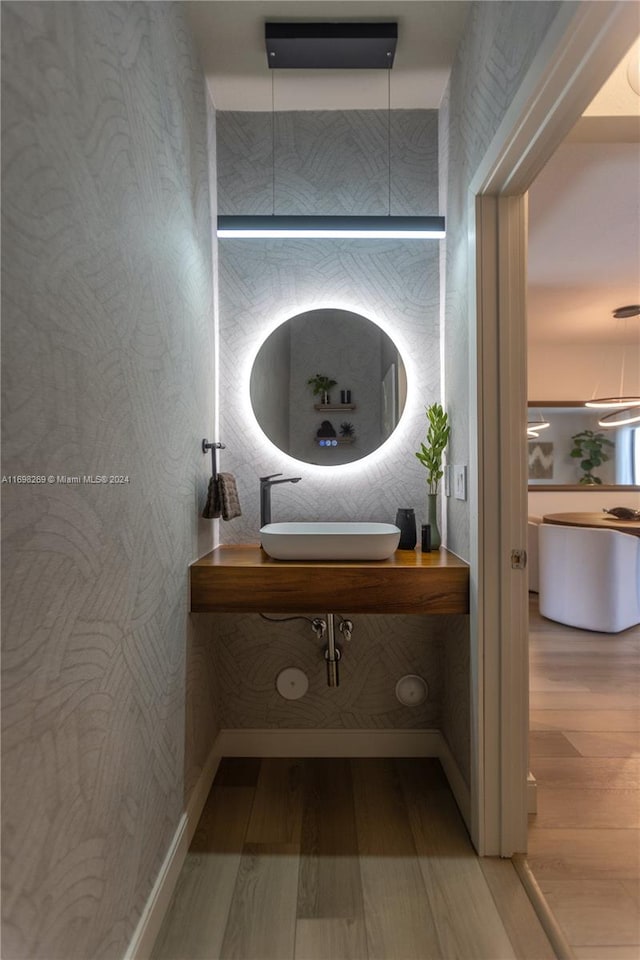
point(589, 448)
point(321, 386)
point(346, 430)
point(430, 456)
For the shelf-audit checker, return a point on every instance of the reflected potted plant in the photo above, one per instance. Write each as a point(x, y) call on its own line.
point(321, 386)
point(430, 456)
point(588, 446)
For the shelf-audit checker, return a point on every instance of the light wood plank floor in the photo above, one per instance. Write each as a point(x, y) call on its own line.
point(584, 842)
point(342, 860)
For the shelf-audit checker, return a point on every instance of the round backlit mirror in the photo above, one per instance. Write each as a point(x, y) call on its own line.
point(328, 387)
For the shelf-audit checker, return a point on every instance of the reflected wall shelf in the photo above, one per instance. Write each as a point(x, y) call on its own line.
point(333, 407)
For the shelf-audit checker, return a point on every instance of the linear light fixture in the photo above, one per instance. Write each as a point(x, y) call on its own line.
point(331, 46)
point(395, 228)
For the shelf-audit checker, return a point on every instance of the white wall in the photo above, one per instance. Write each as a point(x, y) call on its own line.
point(565, 423)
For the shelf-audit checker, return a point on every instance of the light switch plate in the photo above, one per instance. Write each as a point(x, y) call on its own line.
point(447, 479)
point(460, 483)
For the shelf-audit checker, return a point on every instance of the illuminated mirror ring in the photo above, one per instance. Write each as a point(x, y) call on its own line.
point(328, 386)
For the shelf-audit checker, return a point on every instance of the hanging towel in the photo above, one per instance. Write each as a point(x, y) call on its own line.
point(229, 500)
point(212, 507)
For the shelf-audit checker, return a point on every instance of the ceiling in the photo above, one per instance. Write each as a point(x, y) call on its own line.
point(230, 39)
point(584, 243)
point(584, 225)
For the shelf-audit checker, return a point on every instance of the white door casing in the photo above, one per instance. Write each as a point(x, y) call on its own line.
point(585, 43)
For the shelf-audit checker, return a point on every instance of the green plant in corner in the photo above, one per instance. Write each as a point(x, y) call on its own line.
point(430, 454)
point(589, 447)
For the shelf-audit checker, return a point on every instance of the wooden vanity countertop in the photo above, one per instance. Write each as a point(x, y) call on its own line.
point(243, 579)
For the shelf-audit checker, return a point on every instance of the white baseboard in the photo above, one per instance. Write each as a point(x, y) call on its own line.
point(158, 901)
point(329, 743)
point(202, 788)
point(459, 788)
point(349, 743)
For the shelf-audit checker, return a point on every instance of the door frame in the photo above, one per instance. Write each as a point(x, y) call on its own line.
point(581, 49)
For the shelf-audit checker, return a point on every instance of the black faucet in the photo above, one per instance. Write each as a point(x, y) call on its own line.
point(265, 495)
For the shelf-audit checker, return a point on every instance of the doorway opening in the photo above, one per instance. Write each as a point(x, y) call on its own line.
point(583, 47)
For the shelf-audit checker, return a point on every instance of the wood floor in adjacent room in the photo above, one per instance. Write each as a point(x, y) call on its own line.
point(340, 859)
point(584, 843)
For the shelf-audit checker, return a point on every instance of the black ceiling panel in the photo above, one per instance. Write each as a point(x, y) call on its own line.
point(331, 46)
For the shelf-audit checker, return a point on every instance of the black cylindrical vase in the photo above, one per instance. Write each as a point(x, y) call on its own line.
point(426, 537)
point(406, 522)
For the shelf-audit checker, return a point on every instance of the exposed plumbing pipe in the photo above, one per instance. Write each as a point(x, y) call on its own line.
point(333, 653)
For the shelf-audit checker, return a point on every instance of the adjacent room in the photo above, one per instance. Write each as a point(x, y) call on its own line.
point(584, 239)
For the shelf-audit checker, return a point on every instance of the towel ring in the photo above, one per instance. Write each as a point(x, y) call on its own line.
point(216, 445)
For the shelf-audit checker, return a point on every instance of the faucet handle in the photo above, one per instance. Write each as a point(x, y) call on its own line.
point(319, 626)
point(265, 479)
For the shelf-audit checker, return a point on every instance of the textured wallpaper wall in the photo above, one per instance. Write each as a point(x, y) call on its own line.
point(270, 386)
point(383, 649)
point(498, 46)
point(393, 282)
point(107, 355)
point(328, 162)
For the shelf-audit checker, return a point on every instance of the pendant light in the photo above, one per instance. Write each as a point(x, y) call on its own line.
point(533, 426)
point(331, 46)
point(621, 418)
point(622, 407)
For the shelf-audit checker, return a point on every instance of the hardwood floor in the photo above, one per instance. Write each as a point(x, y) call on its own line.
point(584, 842)
point(342, 860)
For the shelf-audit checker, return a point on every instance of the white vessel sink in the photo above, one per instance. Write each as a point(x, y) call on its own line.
point(330, 541)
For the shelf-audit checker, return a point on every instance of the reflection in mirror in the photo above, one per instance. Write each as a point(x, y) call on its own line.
point(550, 460)
point(364, 404)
